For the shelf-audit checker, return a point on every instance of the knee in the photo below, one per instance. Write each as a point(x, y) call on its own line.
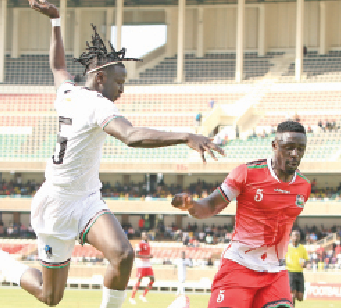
point(121, 254)
point(299, 297)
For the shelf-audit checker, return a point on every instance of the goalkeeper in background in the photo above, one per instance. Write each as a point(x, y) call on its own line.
point(296, 259)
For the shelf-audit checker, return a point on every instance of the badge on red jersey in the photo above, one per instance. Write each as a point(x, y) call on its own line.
point(300, 200)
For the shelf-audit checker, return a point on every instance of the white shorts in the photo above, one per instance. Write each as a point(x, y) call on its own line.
point(59, 220)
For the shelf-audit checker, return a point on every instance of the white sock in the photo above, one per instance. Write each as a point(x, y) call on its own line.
point(11, 268)
point(112, 298)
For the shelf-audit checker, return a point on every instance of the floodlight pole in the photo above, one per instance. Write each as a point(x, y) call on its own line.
point(119, 22)
point(63, 15)
point(181, 39)
point(240, 40)
point(3, 18)
point(299, 39)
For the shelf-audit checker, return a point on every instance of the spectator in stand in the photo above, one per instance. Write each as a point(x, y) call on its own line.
point(147, 224)
point(2, 229)
point(198, 119)
point(211, 103)
point(334, 125)
point(328, 125)
point(320, 124)
point(141, 224)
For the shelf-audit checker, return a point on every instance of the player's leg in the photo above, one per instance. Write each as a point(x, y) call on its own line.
point(292, 284)
point(51, 291)
point(276, 294)
point(300, 287)
point(232, 298)
point(182, 287)
point(136, 286)
point(54, 273)
point(148, 287)
point(105, 233)
point(293, 296)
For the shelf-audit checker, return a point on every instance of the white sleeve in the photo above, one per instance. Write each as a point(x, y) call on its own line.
point(67, 85)
point(229, 192)
point(105, 111)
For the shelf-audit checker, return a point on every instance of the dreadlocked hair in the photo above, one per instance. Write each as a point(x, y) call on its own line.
point(97, 55)
point(290, 127)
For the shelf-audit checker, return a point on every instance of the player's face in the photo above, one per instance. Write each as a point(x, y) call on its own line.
point(289, 149)
point(295, 237)
point(114, 85)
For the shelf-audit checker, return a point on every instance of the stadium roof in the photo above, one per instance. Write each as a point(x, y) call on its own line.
point(139, 3)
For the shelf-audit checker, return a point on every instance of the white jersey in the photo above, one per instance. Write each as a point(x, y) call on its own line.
point(74, 167)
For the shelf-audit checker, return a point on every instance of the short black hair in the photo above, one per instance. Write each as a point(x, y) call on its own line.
point(290, 127)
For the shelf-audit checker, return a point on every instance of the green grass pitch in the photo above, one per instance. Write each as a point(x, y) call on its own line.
point(17, 298)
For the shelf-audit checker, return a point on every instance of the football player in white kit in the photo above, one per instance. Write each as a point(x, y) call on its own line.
point(69, 204)
point(181, 264)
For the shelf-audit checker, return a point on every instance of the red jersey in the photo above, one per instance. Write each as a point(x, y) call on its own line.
point(143, 248)
point(266, 211)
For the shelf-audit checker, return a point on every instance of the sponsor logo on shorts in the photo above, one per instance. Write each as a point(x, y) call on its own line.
point(220, 296)
point(48, 251)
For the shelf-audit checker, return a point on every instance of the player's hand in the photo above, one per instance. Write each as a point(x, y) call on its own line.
point(184, 202)
point(201, 144)
point(45, 8)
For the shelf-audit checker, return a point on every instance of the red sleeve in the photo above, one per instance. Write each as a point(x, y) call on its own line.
point(234, 183)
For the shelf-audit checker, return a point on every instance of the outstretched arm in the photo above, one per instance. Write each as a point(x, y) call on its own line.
point(204, 208)
point(142, 137)
point(57, 55)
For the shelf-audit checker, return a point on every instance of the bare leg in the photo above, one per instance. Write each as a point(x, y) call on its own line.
point(149, 286)
point(107, 236)
point(299, 296)
point(51, 291)
point(293, 293)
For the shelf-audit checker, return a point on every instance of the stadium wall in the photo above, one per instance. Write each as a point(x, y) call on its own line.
point(312, 208)
point(167, 273)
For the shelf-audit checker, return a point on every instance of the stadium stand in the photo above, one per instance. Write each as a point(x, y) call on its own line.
point(212, 67)
point(319, 67)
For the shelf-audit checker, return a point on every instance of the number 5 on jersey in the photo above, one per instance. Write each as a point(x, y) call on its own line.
point(259, 195)
point(61, 145)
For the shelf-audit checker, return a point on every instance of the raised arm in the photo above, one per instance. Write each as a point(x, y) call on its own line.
point(204, 208)
point(142, 137)
point(57, 55)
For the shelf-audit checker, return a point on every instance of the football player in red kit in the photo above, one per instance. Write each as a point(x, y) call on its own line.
point(270, 194)
point(143, 268)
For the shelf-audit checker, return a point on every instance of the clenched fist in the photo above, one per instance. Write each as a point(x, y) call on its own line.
point(184, 202)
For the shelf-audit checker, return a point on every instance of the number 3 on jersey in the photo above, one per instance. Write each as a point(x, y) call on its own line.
point(61, 145)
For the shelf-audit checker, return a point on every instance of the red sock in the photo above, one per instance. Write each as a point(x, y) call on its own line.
point(136, 287)
point(148, 288)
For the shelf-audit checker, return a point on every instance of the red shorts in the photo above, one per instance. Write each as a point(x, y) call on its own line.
point(235, 286)
point(144, 272)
